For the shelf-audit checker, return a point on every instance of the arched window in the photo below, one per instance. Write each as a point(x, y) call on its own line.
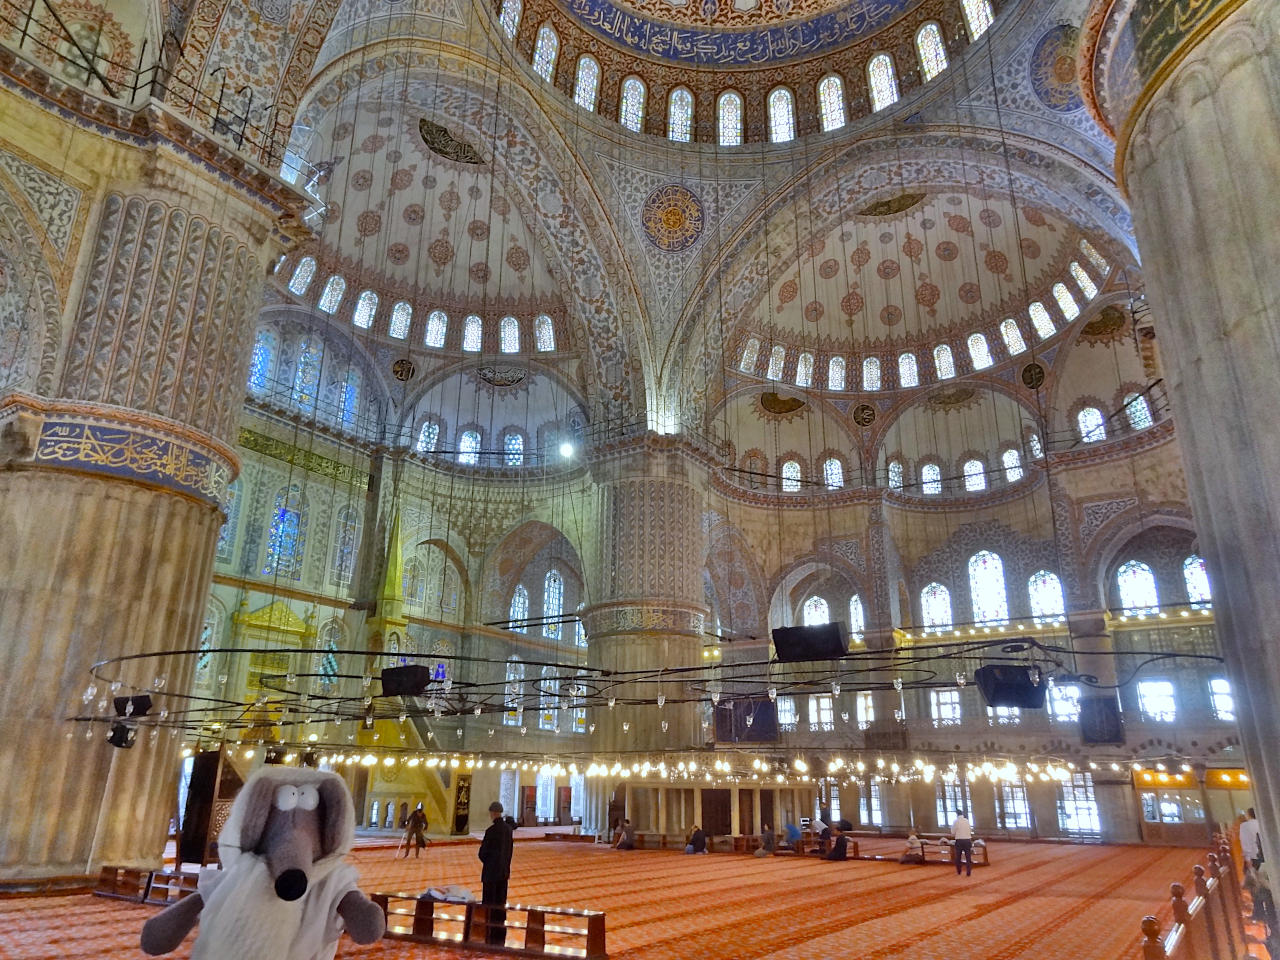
point(343, 396)
point(1035, 446)
point(978, 16)
point(472, 334)
point(975, 476)
point(935, 606)
point(1011, 460)
point(1045, 592)
point(1012, 337)
point(777, 356)
point(1137, 587)
point(513, 693)
point(1041, 320)
point(286, 540)
point(979, 352)
point(544, 334)
point(414, 583)
point(263, 362)
point(1196, 576)
point(782, 115)
point(631, 110)
point(545, 49)
point(346, 542)
point(552, 603)
point(680, 115)
point(303, 275)
point(750, 352)
point(931, 479)
point(908, 372)
point(510, 16)
point(227, 533)
point(729, 119)
point(519, 612)
point(366, 309)
point(401, 316)
point(306, 376)
point(586, 85)
point(329, 643)
point(1066, 302)
point(437, 327)
point(804, 370)
point(835, 373)
point(1083, 280)
point(986, 588)
point(883, 81)
point(895, 474)
point(332, 294)
point(469, 448)
point(1138, 411)
point(791, 476)
point(509, 335)
point(833, 473)
point(932, 51)
point(871, 374)
point(549, 719)
point(943, 363)
point(1092, 426)
point(1094, 257)
point(831, 103)
point(857, 618)
point(513, 449)
point(428, 436)
point(815, 612)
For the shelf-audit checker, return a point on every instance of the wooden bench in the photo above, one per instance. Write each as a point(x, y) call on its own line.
point(122, 883)
point(533, 931)
point(642, 841)
point(168, 886)
point(570, 837)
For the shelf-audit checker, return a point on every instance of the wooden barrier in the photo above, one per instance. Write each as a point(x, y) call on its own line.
point(122, 883)
point(169, 886)
point(1211, 926)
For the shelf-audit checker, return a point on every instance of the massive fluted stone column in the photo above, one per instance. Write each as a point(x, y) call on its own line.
point(1193, 91)
point(112, 474)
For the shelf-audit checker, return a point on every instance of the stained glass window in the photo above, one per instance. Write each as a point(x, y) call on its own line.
point(1092, 426)
point(979, 352)
point(883, 80)
point(544, 334)
point(857, 617)
point(579, 630)
point(586, 86)
point(332, 294)
point(509, 335)
point(1066, 302)
point(931, 479)
point(908, 372)
point(401, 316)
point(1041, 320)
point(978, 15)
point(833, 473)
point(935, 606)
point(782, 116)
point(548, 719)
point(1196, 576)
point(366, 309)
point(510, 16)
point(729, 119)
point(777, 356)
point(345, 543)
point(631, 111)
point(680, 115)
point(472, 334)
point(329, 643)
point(519, 612)
point(306, 376)
point(975, 476)
point(1044, 589)
point(513, 449)
point(1094, 257)
point(1138, 411)
point(986, 588)
point(1011, 334)
point(1137, 587)
point(1035, 446)
point(414, 583)
point(437, 327)
point(1083, 280)
point(210, 637)
point(943, 363)
point(469, 448)
point(344, 398)
point(513, 692)
point(835, 373)
point(545, 49)
point(286, 540)
point(1011, 460)
point(428, 436)
point(791, 477)
point(227, 535)
point(932, 51)
point(552, 603)
point(815, 612)
point(804, 370)
point(895, 474)
point(871, 374)
point(831, 103)
point(303, 275)
point(263, 361)
point(750, 351)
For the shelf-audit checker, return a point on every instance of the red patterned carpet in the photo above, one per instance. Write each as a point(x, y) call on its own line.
point(1037, 902)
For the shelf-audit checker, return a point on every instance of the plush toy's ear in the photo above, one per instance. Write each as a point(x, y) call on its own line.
point(261, 796)
point(335, 811)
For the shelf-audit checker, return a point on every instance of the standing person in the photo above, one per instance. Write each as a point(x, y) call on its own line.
point(962, 834)
point(1251, 839)
point(415, 832)
point(495, 854)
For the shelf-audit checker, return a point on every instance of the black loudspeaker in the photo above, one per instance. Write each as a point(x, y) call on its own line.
point(407, 681)
point(122, 736)
point(1100, 722)
point(827, 641)
point(134, 707)
point(1007, 685)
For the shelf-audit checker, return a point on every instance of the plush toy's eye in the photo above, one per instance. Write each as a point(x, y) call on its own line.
point(286, 797)
point(308, 798)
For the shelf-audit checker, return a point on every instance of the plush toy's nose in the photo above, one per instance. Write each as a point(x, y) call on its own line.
point(291, 884)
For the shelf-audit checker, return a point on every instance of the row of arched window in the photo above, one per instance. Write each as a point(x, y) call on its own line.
point(881, 78)
point(552, 609)
point(943, 357)
point(510, 333)
point(1092, 423)
point(974, 475)
point(550, 699)
point(514, 450)
point(317, 384)
point(1136, 586)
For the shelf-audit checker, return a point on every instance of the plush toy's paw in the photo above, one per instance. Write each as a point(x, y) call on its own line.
point(167, 929)
point(364, 919)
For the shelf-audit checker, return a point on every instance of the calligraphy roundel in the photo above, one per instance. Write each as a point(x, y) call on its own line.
point(1053, 69)
point(672, 218)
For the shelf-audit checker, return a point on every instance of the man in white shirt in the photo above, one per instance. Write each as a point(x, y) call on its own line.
point(962, 834)
point(1251, 839)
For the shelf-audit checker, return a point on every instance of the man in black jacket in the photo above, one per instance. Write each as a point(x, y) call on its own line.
point(495, 854)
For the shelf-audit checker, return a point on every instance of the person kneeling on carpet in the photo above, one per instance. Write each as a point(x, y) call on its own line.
point(626, 836)
point(840, 847)
point(696, 842)
point(914, 852)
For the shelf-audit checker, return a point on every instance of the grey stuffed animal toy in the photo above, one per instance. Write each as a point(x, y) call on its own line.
point(284, 892)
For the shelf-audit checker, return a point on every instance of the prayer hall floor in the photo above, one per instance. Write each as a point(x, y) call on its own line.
point(1036, 902)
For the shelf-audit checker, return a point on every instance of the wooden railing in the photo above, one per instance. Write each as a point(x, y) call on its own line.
point(1211, 925)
